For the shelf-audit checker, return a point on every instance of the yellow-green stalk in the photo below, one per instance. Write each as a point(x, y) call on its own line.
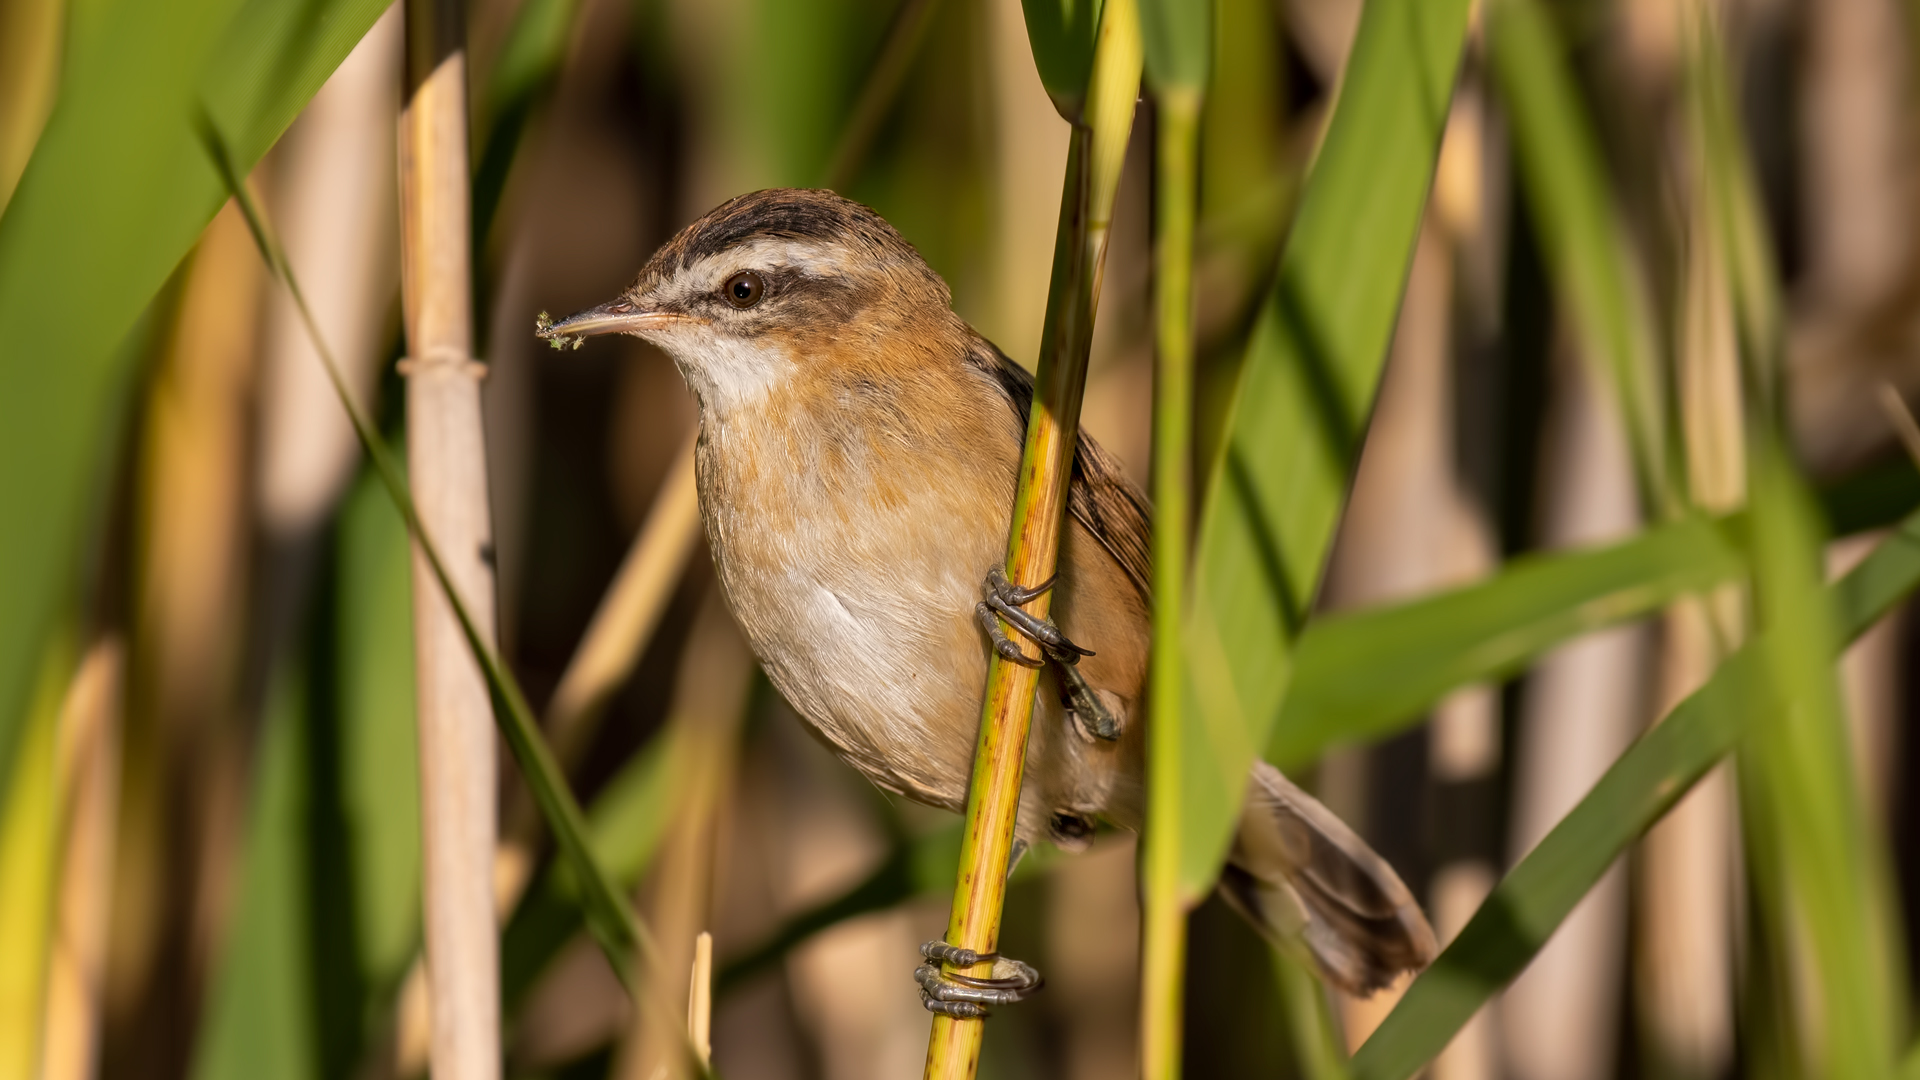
point(1164, 912)
point(1178, 43)
point(1086, 208)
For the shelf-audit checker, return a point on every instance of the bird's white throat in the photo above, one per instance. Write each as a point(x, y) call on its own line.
point(728, 374)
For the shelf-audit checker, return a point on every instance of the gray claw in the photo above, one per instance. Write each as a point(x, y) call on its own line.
point(963, 996)
point(1092, 715)
point(1014, 594)
point(1002, 644)
point(1005, 598)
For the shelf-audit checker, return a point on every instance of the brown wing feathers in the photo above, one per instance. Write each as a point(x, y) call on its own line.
point(1297, 872)
point(1100, 496)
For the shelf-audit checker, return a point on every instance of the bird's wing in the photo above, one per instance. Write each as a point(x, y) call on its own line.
point(1101, 497)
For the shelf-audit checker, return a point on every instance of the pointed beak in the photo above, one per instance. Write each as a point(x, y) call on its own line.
point(618, 316)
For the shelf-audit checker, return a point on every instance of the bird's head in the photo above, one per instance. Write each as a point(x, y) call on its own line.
point(768, 285)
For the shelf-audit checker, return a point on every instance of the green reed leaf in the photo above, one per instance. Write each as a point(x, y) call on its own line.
point(1648, 780)
point(1489, 630)
point(117, 191)
point(1300, 411)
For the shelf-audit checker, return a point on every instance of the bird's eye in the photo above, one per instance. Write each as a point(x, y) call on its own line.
point(744, 289)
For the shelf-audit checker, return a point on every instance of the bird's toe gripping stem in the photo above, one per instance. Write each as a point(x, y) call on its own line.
point(964, 997)
point(1003, 600)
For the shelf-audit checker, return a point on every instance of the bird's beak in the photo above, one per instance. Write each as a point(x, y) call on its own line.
point(618, 316)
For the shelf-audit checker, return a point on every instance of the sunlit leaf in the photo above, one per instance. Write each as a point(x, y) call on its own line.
point(1062, 34)
point(1306, 390)
point(1489, 630)
point(1831, 882)
point(625, 826)
point(1538, 894)
point(117, 191)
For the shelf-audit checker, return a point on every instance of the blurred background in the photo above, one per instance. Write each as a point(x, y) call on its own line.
point(209, 854)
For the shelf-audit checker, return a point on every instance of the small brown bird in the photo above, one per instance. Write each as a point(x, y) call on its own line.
point(859, 445)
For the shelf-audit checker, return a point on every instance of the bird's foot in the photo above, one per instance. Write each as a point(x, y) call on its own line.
point(1091, 717)
point(1003, 600)
point(964, 997)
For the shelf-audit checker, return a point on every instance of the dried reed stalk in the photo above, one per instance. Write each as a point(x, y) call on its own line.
point(1086, 209)
point(625, 622)
point(621, 936)
point(1685, 978)
point(709, 707)
point(333, 195)
point(446, 462)
point(89, 771)
point(700, 999)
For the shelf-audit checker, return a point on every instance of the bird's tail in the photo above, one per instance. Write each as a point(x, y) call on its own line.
point(1306, 881)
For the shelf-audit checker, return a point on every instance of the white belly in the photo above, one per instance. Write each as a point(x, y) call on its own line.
point(862, 616)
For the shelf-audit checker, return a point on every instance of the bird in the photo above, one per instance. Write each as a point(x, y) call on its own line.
point(859, 445)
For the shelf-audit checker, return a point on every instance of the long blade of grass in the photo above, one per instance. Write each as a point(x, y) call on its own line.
point(1094, 161)
point(1295, 426)
point(1179, 48)
point(1536, 896)
point(625, 825)
point(1532, 900)
point(620, 933)
point(1488, 630)
point(118, 190)
point(1563, 177)
point(609, 919)
point(1830, 883)
point(1818, 865)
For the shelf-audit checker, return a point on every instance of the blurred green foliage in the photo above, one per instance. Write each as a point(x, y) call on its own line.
point(1293, 433)
point(118, 189)
point(328, 907)
point(1298, 304)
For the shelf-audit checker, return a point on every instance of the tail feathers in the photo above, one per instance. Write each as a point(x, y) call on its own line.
point(1304, 879)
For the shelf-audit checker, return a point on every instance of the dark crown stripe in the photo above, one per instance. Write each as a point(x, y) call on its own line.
point(787, 214)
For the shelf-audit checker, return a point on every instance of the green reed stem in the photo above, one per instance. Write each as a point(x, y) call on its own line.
point(1094, 162)
point(1164, 912)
